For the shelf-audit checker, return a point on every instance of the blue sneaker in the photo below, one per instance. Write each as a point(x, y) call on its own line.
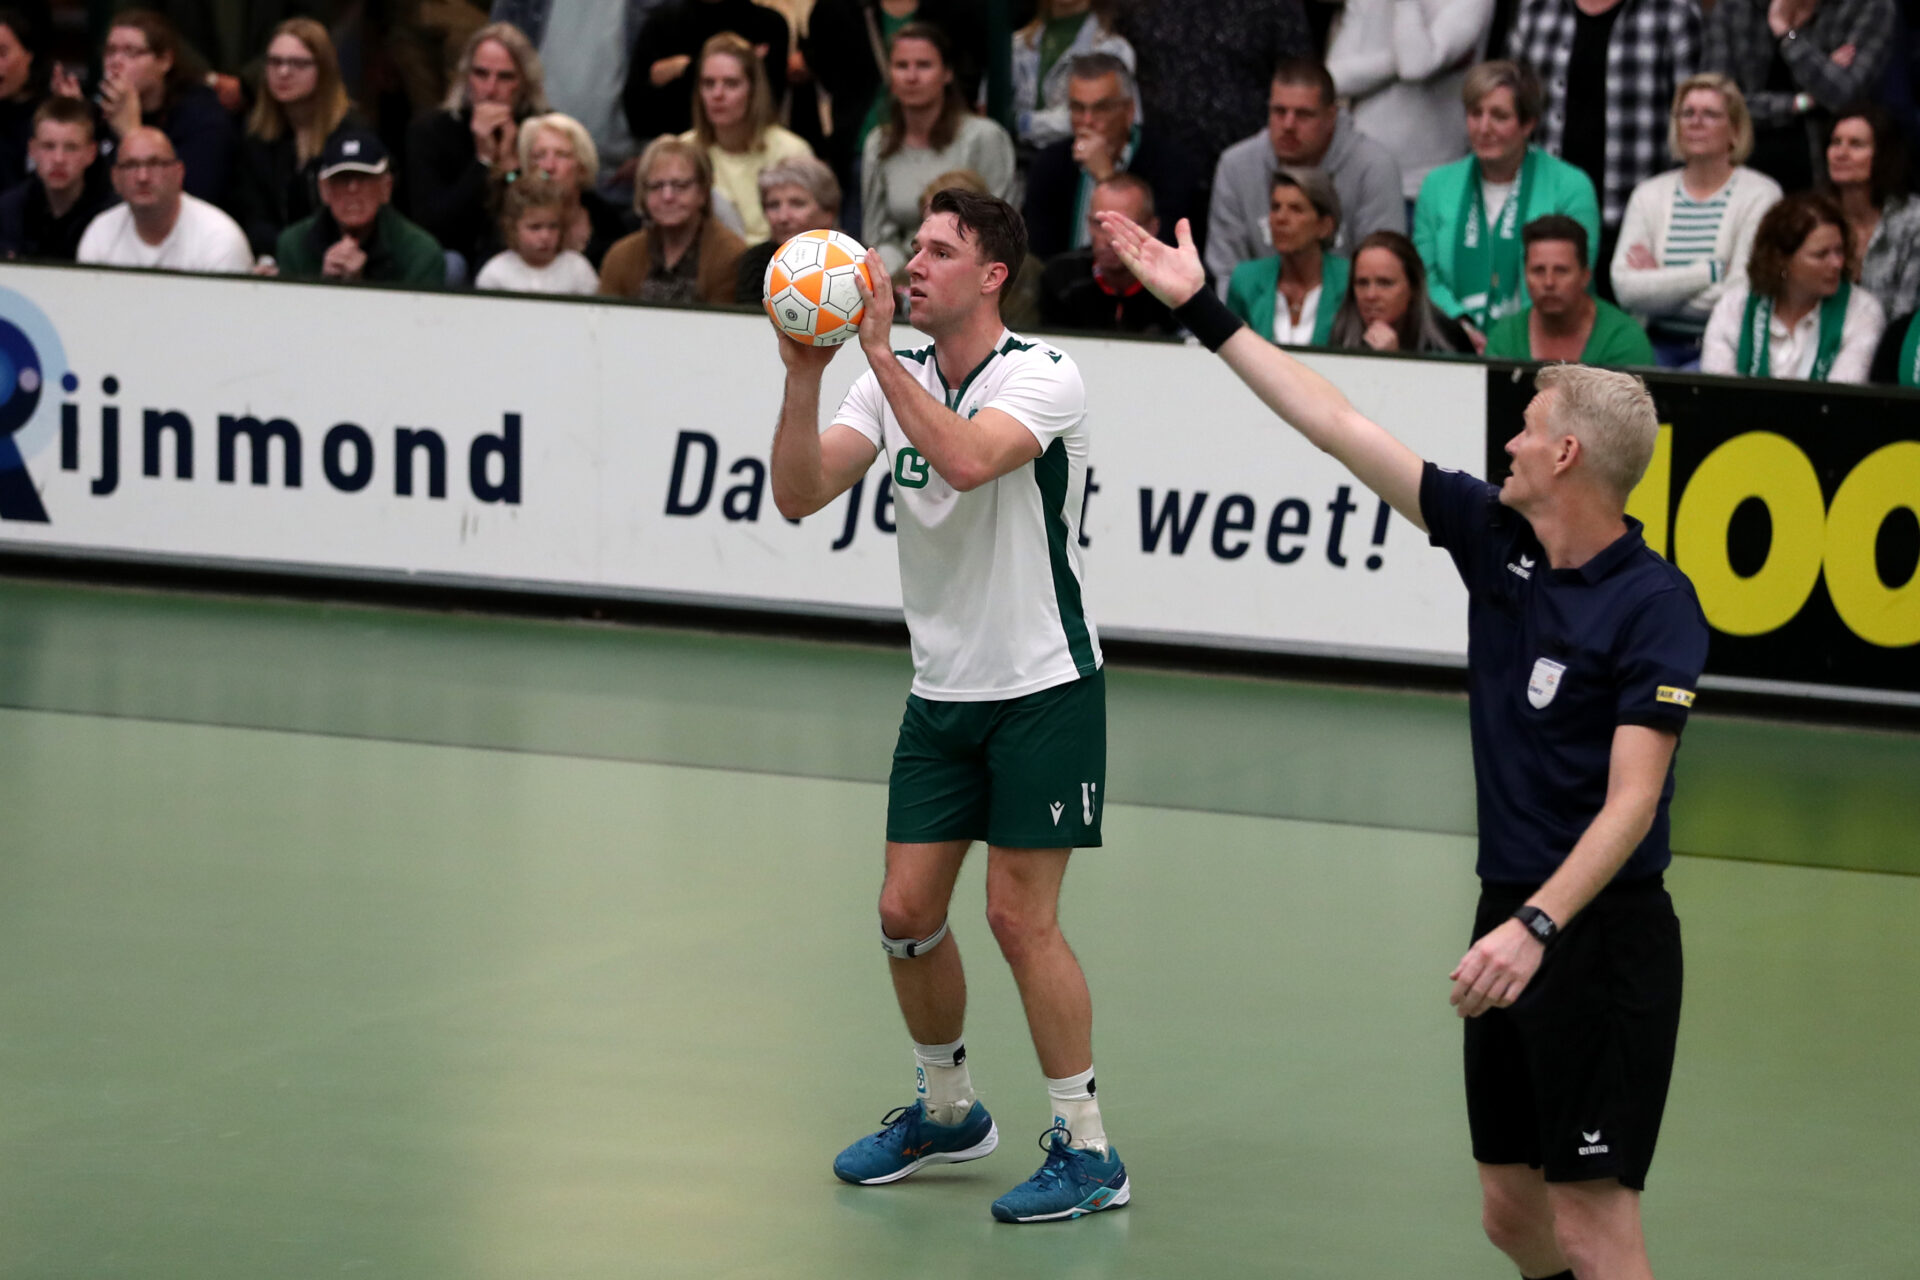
point(1069, 1184)
point(909, 1141)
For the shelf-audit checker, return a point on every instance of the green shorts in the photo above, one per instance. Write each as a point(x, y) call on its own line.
point(1027, 773)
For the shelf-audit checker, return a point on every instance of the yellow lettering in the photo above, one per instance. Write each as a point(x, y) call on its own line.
point(1887, 480)
point(1771, 468)
point(1648, 501)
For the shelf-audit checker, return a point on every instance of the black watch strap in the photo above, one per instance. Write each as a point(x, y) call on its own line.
point(1538, 923)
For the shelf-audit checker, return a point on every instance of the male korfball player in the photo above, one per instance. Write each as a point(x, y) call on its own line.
point(1584, 648)
point(1004, 737)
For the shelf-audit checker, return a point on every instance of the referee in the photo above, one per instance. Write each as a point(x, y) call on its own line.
point(1584, 649)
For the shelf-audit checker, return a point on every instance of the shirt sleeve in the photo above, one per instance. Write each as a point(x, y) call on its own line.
point(862, 410)
point(1663, 650)
point(1044, 394)
point(1458, 509)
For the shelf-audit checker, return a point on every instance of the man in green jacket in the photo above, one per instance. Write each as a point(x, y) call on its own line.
point(1565, 321)
point(359, 235)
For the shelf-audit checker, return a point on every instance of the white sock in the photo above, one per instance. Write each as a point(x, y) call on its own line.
point(1075, 1107)
point(940, 1074)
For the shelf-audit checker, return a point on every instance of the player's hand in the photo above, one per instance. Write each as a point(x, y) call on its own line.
point(1495, 970)
point(876, 327)
point(1171, 274)
point(804, 360)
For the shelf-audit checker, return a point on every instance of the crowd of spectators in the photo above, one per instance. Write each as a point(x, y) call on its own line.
point(1711, 184)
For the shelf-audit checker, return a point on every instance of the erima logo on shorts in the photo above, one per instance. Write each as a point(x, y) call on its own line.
point(1678, 697)
point(1594, 1146)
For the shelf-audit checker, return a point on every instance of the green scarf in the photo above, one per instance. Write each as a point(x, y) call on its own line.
point(1487, 271)
point(1755, 353)
point(1910, 355)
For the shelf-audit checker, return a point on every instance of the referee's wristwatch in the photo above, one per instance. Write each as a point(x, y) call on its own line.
point(1539, 924)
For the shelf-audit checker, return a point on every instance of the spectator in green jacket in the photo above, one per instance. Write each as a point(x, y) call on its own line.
point(359, 235)
point(1565, 321)
point(1467, 221)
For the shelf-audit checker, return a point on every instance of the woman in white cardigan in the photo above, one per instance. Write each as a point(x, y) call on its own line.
point(1402, 62)
point(1688, 232)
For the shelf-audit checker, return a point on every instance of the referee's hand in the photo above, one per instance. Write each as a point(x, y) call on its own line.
point(1495, 970)
point(1172, 273)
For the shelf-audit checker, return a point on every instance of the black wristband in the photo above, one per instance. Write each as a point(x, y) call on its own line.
point(1538, 923)
point(1207, 318)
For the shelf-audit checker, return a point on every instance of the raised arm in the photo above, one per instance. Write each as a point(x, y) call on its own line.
point(812, 467)
point(1302, 398)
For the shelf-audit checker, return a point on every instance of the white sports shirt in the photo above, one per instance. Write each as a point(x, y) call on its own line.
point(991, 579)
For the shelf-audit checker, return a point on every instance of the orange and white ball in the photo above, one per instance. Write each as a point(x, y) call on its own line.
point(812, 292)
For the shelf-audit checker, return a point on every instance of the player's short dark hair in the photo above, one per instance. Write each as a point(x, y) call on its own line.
point(1554, 226)
point(64, 110)
point(998, 230)
point(1307, 73)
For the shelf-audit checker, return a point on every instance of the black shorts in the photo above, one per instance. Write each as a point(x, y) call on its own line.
point(1572, 1078)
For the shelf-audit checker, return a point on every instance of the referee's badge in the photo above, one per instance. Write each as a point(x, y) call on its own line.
point(1545, 681)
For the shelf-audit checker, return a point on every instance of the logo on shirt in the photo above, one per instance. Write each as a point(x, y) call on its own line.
point(910, 469)
point(1524, 569)
point(1545, 681)
point(1678, 697)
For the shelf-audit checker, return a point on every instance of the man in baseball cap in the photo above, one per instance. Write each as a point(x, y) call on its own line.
point(359, 235)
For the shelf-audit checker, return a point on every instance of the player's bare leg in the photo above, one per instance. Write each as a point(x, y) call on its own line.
point(1597, 1225)
point(1518, 1217)
point(1023, 909)
point(931, 987)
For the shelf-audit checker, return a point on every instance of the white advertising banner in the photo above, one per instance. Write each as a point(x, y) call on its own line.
point(585, 447)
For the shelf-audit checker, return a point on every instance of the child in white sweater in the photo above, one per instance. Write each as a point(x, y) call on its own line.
point(530, 222)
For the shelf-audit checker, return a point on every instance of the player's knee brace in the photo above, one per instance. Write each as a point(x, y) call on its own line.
point(908, 948)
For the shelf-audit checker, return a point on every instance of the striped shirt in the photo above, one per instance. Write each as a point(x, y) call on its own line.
point(1695, 226)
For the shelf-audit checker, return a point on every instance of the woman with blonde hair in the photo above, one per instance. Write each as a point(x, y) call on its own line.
point(559, 148)
point(302, 103)
point(683, 255)
point(733, 123)
point(455, 155)
point(1688, 232)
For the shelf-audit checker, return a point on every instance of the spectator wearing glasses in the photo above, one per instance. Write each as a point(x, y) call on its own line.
point(1688, 232)
point(358, 235)
point(684, 255)
point(457, 154)
point(45, 216)
point(733, 121)
point(1563, 320)
point(160, 225)
point(1044, 52)
point(1797, 316)
point(301, 105)
point(559, 148)
point(148, 80)
point(1108, 138)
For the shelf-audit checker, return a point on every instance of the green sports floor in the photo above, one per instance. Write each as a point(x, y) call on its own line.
point(352, 941)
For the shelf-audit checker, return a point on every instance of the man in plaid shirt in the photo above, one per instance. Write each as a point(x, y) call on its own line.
point(1609, 68)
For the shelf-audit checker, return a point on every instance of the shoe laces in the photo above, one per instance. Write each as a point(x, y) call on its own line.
point(899, 1119)
point(1057, 1142)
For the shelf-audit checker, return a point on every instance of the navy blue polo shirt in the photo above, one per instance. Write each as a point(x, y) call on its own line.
point(1556, 660)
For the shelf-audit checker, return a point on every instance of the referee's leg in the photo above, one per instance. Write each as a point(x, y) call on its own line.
point(931, 987)
point(1597, 1225)
point(1517, 1215)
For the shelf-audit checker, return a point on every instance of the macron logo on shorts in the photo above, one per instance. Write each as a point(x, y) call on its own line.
point(1058, 809)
